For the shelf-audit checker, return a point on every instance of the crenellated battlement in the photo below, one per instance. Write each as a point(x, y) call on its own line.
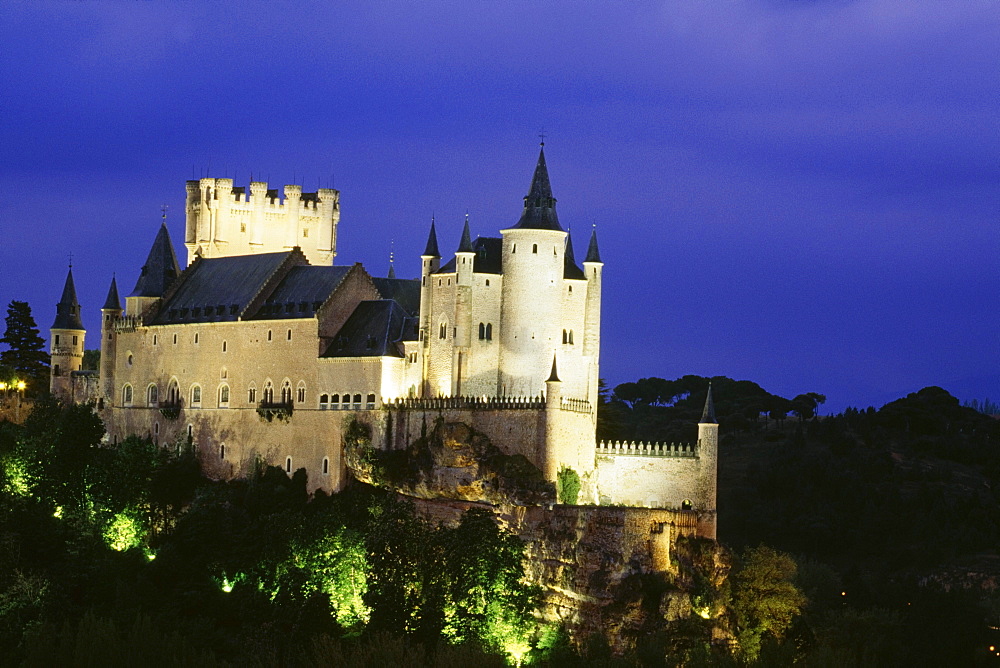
point(643, 449)
point(126, 323)
point(224, 220)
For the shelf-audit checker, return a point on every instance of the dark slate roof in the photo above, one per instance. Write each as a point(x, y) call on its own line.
point(112, 303)
point(593, 255)
point(570, 270)
point(374, 329)
point(301, 292)
point(488, 260)
point(554, 376)
point(218, 289)
point(432, 243)
point(68, 308)
point(404, 291)
point(465, 245)
point(708, 415)
point(160, 269)
point(539, 204)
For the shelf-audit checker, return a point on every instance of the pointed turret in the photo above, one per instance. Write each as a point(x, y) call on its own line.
point(708, 415)
point(68, 308)
point(112, 303)
point(570, 270)
point(160, 269)
point(593, 255)
point(465, 245)
point(392, 270)
point(432, 243)
point(554, 376)
point(539, 204)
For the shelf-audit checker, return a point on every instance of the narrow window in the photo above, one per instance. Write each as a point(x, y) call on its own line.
point(326, 466)
point(571, 337)
point(74, 339)
point(289, 335)
point(175, 339)
point(57, 339)
point(156, 428)
point(196, 338)
point(489, 331)
point(223, 346)
point(513, 249)
point(196, 394)
point(224, 395)
point(288, 464)
point(482, 332)
point(151, 395)
point(127, 395)
point(487, 282)
point(55, 370)
point(190, 431)
point(370, 403)
point(300, 394)
point(534, 248)
point(571, 289)
point(268, 335)
point(443, 332)
point(252, 395)
point(324, 400)
point(154, 339)
point(564, 337)
point(222, 451)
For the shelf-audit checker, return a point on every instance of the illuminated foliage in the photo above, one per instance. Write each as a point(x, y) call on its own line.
point(569, 486)
point(335, 563)
point(125, 531)
point(765, 600)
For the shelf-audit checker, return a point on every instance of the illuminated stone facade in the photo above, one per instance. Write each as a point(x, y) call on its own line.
point(262, 348)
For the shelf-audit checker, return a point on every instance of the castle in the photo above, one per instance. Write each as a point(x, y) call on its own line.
point(262, 346)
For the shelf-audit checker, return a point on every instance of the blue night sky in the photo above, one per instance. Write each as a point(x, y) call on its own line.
point(802, 194)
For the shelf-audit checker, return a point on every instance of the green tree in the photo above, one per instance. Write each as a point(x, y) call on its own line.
point(765, 600)
point(25, 355)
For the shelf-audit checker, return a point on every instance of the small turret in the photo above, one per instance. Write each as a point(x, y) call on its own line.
point(593, 254)
point(464, 256)
point(66, 337)
point(110, 312)
point(708, 463)
point(430, 262)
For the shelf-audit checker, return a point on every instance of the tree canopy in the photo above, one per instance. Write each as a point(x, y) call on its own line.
point(25, 356)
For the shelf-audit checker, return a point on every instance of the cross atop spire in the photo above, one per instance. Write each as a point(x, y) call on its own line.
point(392, 257)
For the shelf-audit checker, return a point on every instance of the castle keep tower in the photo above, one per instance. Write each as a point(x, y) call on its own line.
point(66, 336)
point(222, 221)
point(533, 262)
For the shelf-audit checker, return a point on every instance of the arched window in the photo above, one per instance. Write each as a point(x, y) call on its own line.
point(565, 339)
point(534, 248)
point(252, 393)
point(224, 373)
point(173, 392)
point(223, 396)
point(346, 401)
point(334, 401)
point(196, 395)
point(326, 466)
point(443, 331)
point(300, 392)
point(129, 360)
point(687, 504)
point(268, 393)
point(489, 331)
point(357, 402)
point(482, 331)
point(152, 395)
point(571, 337)
point(286, 392)
point(156, 428)
point(370, 404)
point(127, 395)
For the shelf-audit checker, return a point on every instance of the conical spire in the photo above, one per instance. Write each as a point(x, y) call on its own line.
point(160, 269)
point(554, 376)
point(708, 415)
point(593, 255)
point(112, 303)
point(68, 308)
point(539, 204)
point(432, 243)
point(465, 245)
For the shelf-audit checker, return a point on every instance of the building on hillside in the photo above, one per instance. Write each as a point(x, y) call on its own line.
point(262, 347)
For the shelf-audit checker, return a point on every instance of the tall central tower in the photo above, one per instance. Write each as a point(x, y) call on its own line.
point(533, 263)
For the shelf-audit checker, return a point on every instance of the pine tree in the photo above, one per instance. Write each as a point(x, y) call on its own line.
point(26, 356)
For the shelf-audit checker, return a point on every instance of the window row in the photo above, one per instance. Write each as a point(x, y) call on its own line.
point(568, 336)
point(173, 396)
point(346, 402)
